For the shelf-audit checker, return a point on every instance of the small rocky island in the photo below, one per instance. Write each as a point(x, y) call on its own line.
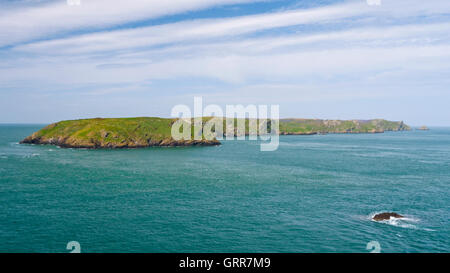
point(150, 131)
point(386, 216)
point(423, 128)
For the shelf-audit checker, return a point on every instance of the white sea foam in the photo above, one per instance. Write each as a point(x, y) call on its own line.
point(31, 155)
point(400, 222)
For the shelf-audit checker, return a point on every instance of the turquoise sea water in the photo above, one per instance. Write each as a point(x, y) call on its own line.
point(314, 194)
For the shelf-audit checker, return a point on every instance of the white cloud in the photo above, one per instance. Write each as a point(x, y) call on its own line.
point(318, 54)
point(337, 60)
point(28, 22)
point(188, 30)
point(213, 29)
point(315, 64)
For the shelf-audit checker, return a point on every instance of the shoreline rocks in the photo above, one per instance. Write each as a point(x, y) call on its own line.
point(66, 143)
point(386, 216)
point(298, 133)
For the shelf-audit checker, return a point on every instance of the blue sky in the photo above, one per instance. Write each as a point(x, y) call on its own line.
point(316, 59)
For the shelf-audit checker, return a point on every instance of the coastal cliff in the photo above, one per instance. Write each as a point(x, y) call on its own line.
point(112, 133)
point(319, 126)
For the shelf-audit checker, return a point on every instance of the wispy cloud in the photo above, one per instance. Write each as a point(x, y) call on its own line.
point(337, 52)
point(29, 22)
point(189, 31)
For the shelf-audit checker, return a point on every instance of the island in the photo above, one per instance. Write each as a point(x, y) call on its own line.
point(423, 128)
point(153, 131)
point(112, 133)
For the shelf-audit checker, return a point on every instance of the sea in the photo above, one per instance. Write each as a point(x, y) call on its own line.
point(314, 194)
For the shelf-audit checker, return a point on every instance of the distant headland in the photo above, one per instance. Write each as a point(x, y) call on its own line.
point(152, 131)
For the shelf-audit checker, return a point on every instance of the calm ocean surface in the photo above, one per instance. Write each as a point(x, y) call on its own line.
point(315, 194)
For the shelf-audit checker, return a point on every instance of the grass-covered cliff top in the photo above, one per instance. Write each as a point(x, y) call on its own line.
point(111, 133)
point(315, 126)
point(148, 131)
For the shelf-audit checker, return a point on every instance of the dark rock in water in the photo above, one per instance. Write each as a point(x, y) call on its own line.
point(386, 216)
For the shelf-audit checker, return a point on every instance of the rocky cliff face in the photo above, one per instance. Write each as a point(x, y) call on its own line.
point(70, 142)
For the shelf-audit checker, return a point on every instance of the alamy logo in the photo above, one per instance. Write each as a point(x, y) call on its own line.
point(208, 123)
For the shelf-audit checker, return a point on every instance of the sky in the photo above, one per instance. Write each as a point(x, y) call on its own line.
point(342, 59)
